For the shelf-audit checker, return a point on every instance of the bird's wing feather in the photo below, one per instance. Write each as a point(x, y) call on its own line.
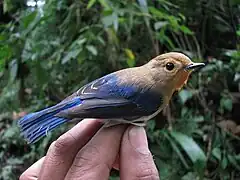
point(107, 97)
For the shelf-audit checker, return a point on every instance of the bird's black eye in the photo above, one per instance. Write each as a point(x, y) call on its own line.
point(170, 66)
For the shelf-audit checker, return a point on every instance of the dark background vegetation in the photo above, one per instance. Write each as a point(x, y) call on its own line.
point(49, 51)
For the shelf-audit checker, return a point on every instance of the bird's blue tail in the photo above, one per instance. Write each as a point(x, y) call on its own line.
point(38, 124)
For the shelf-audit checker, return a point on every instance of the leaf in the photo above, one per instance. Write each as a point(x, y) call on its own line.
point(130, 62)
point(185, 95)
point(156, 12)
point(198, 119)
point(111, 20)
point(177, 150)
point(129, 53)
point(191, 148)
point(216, 152)
point(224, 162)
point(151, 125)
point(104, 4)
point(226, 103)
point(5, 54)
point(186, 30)
point(41, 74)
point(3, 37)
point(158, 25)
point(190, 176)
point(7, 6)
point(237, 77)
point(131, 58)
point(143, 5)
point(11, 132)
point(13, 70)
point(92, 49)
point(233, 161)
point(81, 41)
point(71, 55)
point(112, 36)
point(14, 161)
point(91, 3)
point(27, 20)
point(238, 33)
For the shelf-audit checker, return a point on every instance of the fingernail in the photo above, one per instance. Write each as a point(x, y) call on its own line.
point(138, 138)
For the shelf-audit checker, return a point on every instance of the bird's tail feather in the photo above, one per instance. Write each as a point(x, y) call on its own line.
point(38, 124)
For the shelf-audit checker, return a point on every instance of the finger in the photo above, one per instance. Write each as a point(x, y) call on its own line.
point(116, 163)
point(95, 160)
point(33, 171)
point(136, 160)
point(61, 153)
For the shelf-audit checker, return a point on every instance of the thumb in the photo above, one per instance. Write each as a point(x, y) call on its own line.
point(136, 161)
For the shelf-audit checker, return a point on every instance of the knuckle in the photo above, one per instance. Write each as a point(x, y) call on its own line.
point(51, 157)
point(63, 143)
point(88, 160)
point(89, 154)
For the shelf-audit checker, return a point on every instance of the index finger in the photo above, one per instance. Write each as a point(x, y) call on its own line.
point(61, 153)
point(95, 159)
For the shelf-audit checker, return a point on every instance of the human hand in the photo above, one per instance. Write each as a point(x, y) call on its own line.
point(85, 152)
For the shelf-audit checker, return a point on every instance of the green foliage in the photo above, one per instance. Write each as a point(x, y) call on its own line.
point(49, 51)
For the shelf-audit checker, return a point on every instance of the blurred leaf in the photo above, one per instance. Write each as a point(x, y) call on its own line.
point(177, 150)
point(190, 176)
point(151, 124)
point(224, 162)
point(143, 5)
point(7, 6)
point(130, 62)
point(131, 58)
point(234, 161)
point(11, 132)
point(5, 54)
point(129, 54)
point(238, 32)
point(226, 103)
point(186, 30)
point(156, 12)
point(191, 148)
point(14, 161)
point(13, 70)
point(158, 25)
point(92, 49)
point(216, 152)
point(111, 20)
point(185, 95)
point(104, 4)
point(41, 74)
point(198, 119)
point(27, 20)
point(71, 55)
point(91, 3)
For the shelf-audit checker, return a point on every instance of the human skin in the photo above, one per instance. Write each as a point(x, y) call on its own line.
point(89, 152)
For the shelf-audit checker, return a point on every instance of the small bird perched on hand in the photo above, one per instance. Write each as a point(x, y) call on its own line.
point(131, 96)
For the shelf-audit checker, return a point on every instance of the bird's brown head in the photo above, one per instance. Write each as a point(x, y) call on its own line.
point(172, 69)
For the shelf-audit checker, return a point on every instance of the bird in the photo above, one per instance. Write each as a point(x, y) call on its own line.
point(128, 96)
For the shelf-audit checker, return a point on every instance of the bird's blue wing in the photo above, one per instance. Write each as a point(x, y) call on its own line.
point(108, 97)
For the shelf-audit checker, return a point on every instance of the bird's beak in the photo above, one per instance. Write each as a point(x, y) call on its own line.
point(194, 66)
